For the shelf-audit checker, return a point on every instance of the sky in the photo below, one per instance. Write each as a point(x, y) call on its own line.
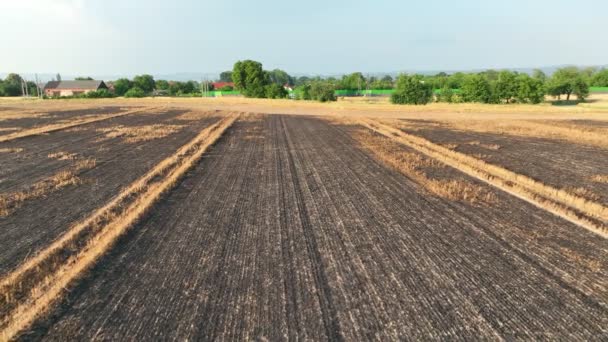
point(127, 37)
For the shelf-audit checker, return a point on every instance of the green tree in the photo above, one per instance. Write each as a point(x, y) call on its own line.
point(275, 91)
point(566, 81)
point(249, 77)
point(539, 75)
point(446, 94)
point(121, 86)
point(161, 85)
point(226, 76)
point(280, 77)
point(144, 82)
point(412, 90)
point(505, 87)
point(135, 92)
point(600, 79)
point(322, 91)
point(354, 81)
point(84, 78)
point(13, 85)
point(530, 89)
point(476, 88)
point(456, 80)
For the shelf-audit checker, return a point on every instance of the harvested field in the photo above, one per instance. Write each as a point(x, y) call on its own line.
point(299, 233)
point(117, 164)
point(335, 227)
point(23, 120)
point(561, 164)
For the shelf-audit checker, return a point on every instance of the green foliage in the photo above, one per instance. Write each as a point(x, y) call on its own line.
point(476, 88)
point(505, 86)
point(98, 94)
point(121, 86)
point(85, 78)
point(135, 92)
point(412, 90)
point(539, 75)
point(226, 76)
point(226, 88)
point(385, 83)
point(280, 77)
point(568, 81)
point(250, 78)
point(275, 91)
point(322, 91)
point(161, 85)
point(446, 94)
point(303, 92)
point(354, 81)
point(12, 85)
point(144, 82)
point(183, 88)
point(600, 79)
point(529, 89)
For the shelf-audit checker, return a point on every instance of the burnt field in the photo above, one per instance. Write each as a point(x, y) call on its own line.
point(293, 227)
point(49, 182)
point(13, 119)
point(199, 224)
point(578, 168)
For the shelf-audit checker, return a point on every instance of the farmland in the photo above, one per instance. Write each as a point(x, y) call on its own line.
point(247, 219)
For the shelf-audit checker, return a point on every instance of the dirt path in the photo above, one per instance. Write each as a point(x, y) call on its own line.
point(287, 230)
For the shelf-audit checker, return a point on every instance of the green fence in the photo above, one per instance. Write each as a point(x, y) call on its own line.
point(599, 89)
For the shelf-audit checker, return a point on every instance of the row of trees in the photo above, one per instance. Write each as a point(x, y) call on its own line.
point(13, 84)
point(502, 87)
point(143, 85)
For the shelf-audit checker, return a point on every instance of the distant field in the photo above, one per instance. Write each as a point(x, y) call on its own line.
point(242, 219)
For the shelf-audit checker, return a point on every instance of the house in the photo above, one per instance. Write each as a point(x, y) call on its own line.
point(220, 85)
point(70, 88)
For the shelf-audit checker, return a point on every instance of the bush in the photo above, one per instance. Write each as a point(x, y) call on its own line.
point(322, 91)
point(226, 88)
point(412, 90)
point(99, 94)
point(476, 88)
point(275, 91)
point(135, 92)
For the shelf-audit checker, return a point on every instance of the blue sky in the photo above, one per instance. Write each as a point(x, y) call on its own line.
point(325, 37)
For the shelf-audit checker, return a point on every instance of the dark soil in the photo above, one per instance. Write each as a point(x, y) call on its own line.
point(37, 222)
point(287, 230)
point(556, 163)
point(55, 116)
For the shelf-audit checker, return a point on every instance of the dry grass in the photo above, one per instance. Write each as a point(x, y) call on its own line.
point(11, 150)
point(493, 147)
point(62, 155)
point(600, 179)
point(9, 129)
point(583, 192)
point(577, 209)
point(572, 133)
point(65, 125)
point(11, 201)
point(140, 133)
point(416, 166)
point(36, 285)
point(194, 115)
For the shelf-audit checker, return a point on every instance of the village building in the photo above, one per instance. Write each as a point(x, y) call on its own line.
point(71, 88)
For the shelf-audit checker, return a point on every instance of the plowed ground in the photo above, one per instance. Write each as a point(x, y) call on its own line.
point(118, 163)
point(288, 229)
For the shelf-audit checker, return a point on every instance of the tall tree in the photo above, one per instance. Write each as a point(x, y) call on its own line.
point(505, 86)
point(412, 90)
point(226, 76)
point(476, 88)
point(568, 81)
point(121, 86)
point(600, 79)
point(249, 77)
point(144, 82)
